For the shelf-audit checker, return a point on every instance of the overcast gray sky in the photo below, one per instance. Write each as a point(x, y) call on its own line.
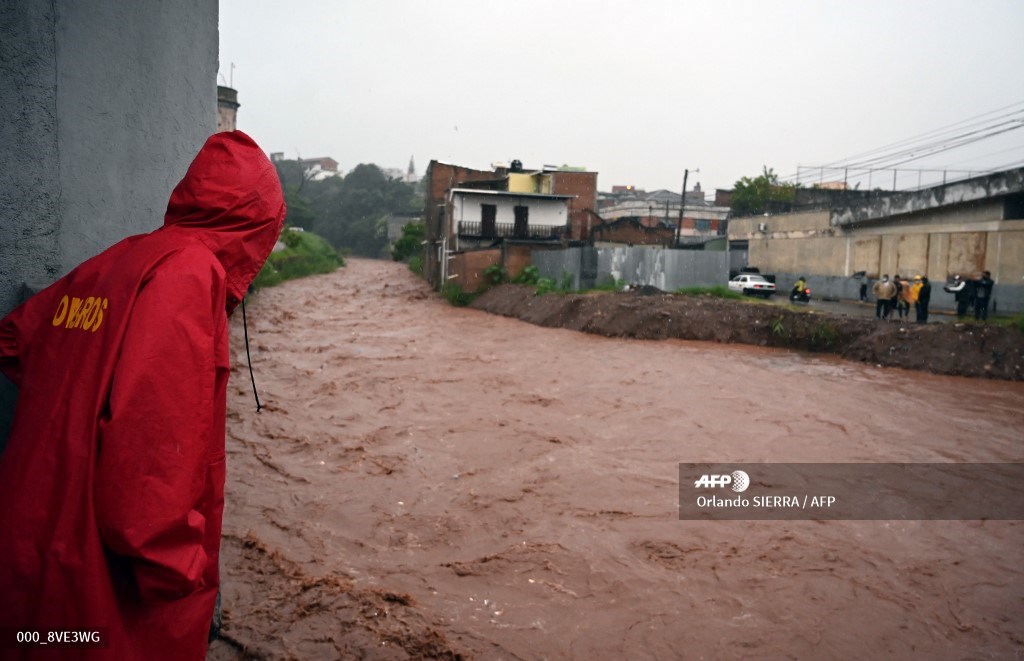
point(637, 91)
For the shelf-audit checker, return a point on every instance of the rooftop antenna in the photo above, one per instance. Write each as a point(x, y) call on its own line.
point(232, 83)
point(221, 76)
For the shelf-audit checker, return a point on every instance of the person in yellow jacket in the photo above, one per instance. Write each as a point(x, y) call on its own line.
point(915, 293)
point(908, 295)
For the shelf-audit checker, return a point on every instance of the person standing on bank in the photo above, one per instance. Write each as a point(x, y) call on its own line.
point(883, 291)
point(962, 294)
point(982, 295)
point(924, 297)
point(897, 297)
point(112, 483)
point(908, 299)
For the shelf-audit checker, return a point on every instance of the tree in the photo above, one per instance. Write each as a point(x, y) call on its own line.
point(299, 214)
point(410, 244)
point(351, 211)
point(294, 181)
point(763, 194)
point(353, 214)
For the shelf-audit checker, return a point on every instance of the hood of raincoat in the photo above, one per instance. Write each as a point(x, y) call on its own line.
point(231, 198)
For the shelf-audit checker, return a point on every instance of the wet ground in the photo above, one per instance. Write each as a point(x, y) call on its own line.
point(857, 309)
point(427, 481)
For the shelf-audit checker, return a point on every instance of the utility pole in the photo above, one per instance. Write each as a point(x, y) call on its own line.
point(682, 207)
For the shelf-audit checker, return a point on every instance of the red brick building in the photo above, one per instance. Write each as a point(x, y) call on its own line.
point(446, 244)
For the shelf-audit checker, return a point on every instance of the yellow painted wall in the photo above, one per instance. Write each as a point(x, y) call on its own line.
point(520, 183)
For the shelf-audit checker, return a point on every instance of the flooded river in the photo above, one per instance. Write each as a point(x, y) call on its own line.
point(520, 485)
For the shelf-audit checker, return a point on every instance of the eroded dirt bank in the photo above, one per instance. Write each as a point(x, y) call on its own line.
point(975, 350)
point(428, 482)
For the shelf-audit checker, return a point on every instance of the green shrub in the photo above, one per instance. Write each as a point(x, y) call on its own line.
point(528, 276)
point(609, 283)
point(779, 328)
point(718, 291)
point(410, 244)
point(496, 274)
point(454, 294)
point(825, 335)
point(416, 265)
point(545, 286)
point(305, 254)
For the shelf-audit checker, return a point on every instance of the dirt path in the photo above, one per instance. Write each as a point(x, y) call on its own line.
point(428, 482)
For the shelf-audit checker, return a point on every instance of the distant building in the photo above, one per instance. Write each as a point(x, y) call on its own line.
point(506, 211)
point(227, 109)
point(319, 168)
point(396, 221)
point(410, 174)
point(701, 220)
point(631, 232)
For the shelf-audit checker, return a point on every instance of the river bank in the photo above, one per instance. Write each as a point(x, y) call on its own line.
point(960, 349)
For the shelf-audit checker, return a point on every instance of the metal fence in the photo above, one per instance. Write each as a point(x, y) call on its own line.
point(508, 231)
point(667, 270)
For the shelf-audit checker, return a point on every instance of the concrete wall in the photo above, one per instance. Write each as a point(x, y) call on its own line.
point(937, 242)
point(103, 106)
point(667, 270)
point(778, 225)
point(889, 204)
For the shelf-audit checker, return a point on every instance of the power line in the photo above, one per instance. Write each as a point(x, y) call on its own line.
point(930, 135)
point(930, 143)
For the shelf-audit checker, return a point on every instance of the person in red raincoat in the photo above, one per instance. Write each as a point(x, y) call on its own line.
point(112, 482)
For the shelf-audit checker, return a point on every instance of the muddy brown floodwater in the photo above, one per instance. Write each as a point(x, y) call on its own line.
point(427, 481)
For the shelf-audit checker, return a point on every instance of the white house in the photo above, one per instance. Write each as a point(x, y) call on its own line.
point(477, 215)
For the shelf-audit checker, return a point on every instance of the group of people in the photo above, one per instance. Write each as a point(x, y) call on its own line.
point(901, 295)
point(976, 293)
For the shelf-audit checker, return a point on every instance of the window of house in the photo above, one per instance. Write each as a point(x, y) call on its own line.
point(703, 225)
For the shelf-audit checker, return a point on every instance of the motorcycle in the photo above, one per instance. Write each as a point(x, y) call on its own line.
point(800, 295)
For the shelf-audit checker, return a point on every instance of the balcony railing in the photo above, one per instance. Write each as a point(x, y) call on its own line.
point(508, 231)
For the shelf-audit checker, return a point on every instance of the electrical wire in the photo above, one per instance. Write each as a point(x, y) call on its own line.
point(928, 144)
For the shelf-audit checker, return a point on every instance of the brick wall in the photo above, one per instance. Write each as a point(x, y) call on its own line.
point(583, 186)
point(441, 177)
point(633, 233)
point(468, 267)
point(516, 258)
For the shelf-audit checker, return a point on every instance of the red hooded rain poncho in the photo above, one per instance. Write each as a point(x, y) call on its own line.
point(112, 483)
